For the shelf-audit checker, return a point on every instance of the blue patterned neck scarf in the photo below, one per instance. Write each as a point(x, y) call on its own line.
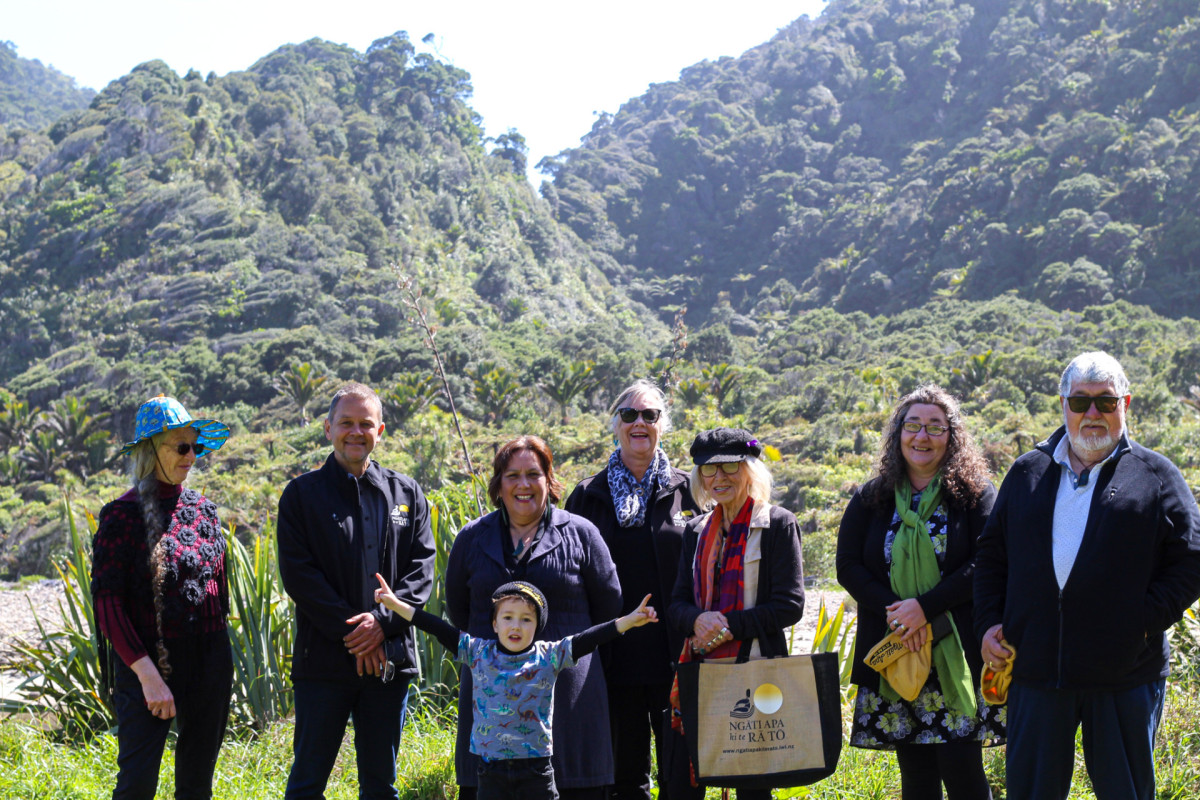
point(631, 496)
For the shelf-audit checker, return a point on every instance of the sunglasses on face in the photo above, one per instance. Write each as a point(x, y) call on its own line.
point(1105, 404)
point(932, 430)
point(183, 448)
point(728, 467)
point(651, 415)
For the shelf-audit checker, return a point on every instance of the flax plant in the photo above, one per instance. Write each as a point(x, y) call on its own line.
point(261, 632)
point(62, 673)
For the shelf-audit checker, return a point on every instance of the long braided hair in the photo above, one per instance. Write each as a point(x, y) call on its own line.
point(144, 457)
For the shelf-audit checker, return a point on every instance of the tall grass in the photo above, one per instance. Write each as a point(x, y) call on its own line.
point(437, 681)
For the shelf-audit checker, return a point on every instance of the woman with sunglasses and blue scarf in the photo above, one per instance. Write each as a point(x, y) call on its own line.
point(740, 583)
point(161, 598)
point(906, 554)
point(640, 503)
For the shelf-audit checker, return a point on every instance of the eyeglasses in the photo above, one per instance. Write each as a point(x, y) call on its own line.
point(1105, 404)
point(728, 467)
point(932, 430)
point(651, 415)
point(183, 448)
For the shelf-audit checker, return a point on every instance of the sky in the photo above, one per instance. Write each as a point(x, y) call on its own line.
point(544, 68)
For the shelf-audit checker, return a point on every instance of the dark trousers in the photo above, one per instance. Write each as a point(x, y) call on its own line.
point(959, 765)
point(322, 710)
point(635, 713)
point(201, 682)
point(516, 779)
point(1118, 740)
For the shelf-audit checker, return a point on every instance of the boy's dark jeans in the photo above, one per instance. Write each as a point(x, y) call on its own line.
point(517, 779)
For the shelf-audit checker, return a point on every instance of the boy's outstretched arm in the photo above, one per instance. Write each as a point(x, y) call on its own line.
point(638, 617)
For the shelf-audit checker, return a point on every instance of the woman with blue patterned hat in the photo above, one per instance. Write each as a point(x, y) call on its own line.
point(162, 602)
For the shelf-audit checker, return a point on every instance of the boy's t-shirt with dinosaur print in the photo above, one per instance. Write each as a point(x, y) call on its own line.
point(513, 696)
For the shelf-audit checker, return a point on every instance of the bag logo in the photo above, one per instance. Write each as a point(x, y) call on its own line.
point(400, 515)
point(766, 699)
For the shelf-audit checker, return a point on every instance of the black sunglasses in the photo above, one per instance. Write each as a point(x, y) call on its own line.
point(1105, 404)
point(651, 415)
point(183, 448)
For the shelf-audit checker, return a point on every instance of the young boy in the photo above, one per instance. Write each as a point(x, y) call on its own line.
point(514, 683)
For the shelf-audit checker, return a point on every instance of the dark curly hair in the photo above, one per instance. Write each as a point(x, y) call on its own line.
point(965, 474)
point(540, 449)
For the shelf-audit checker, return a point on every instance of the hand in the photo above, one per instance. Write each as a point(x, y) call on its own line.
point(159, 700)
point(906, 616)
point(640, 616)
point(915, 640)
point(366, 636)
point(709, 625)
point(385, 595)
point(371, 662)
point(992, 649)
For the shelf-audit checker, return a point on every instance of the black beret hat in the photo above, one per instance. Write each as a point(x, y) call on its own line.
point(724, 444)
point(527, 592)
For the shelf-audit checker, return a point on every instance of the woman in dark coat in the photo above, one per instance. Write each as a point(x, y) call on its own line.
point(741, 578)
point(162, 599)
point(640, 503)
point(528, 539)
point(929, 459)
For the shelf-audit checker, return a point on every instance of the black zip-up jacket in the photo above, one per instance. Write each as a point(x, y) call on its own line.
point(863, 572)
point(779, 599)
point(322, 565)
point(1137, 571)
point(667, 515)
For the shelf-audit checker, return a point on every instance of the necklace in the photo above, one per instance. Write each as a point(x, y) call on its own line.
point(524, 536)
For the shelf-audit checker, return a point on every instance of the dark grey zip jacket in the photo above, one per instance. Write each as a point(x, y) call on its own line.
point(322, 564)
point(1137, 571)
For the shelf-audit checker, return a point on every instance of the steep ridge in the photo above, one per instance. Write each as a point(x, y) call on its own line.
point(895, 151)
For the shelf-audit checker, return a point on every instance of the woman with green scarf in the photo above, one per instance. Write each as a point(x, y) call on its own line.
point(905, 553)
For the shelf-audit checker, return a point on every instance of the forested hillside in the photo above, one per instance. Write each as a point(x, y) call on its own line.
point(894, 151)
point(198, 235)
point(897, 192)
point(32, 96)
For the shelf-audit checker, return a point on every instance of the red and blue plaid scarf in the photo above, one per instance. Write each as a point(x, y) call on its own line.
point(718, 584)
point(718, 577)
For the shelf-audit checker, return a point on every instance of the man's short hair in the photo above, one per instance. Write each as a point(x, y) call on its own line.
point(359, 390)
point(1094, 367)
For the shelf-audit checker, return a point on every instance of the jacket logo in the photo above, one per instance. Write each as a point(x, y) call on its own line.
point(400, 515)
point(681, 517)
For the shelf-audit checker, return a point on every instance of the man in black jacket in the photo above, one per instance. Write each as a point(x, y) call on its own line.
point(1091, 553)
point(353, 659)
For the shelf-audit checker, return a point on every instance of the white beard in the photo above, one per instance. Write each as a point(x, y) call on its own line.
point(1094, 445)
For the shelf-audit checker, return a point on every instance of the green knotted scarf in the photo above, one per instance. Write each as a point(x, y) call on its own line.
point(915, 571)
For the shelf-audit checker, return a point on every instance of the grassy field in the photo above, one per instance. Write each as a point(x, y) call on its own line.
point(33, 765)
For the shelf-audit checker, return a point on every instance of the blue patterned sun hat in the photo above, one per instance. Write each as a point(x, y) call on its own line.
point(159, 414)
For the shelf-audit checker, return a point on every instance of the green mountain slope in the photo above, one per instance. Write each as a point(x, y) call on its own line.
point(891, 152)
point(33, 96)
point(199, 235)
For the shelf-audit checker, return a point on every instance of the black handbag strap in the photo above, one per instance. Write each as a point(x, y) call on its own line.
point(765, 648)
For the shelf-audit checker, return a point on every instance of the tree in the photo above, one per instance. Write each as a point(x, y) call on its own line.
point(495, 389)
point(564, 382)
point(80, 439)
point(300, 384)
point(407, 397)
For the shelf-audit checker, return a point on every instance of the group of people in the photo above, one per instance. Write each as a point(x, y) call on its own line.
point(570, 620)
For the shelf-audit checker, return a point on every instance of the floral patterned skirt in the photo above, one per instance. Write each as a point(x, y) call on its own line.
point(881, 724)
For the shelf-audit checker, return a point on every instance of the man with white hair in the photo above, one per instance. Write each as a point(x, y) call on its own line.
point(1091, 553)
